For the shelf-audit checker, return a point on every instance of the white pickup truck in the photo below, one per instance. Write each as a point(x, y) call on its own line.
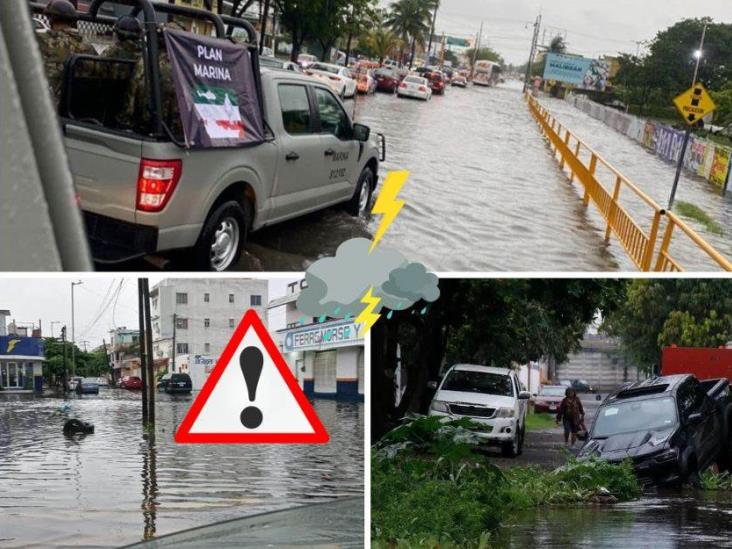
point(489, 396)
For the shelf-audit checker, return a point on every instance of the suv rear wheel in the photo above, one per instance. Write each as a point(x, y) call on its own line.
point(223, 236)
point(359, 204)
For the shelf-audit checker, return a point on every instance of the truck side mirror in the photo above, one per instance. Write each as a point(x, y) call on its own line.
point(524, 395)
point(361, 132)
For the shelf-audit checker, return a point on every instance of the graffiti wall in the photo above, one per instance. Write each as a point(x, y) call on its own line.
point(703, 158)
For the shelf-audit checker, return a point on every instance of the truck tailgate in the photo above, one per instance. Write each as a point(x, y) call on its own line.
point(105, 167)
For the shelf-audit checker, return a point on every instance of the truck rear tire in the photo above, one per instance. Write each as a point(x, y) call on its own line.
point(223, 236)
point(359, 204)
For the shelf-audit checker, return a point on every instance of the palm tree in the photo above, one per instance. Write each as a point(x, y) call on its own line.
point(410, 20)
point(381, 40)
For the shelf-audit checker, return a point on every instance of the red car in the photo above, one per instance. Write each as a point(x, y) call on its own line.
point(437, 82)
point(549, 398)
point(386, 80)
point(131, 383)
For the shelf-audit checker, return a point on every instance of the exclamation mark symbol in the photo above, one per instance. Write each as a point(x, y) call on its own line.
point(251, 362)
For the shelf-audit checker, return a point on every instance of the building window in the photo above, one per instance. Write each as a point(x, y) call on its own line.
point(206, 322)
point(231, 323)
point(181, 348)
point(255, 300)
point(206, 298)
point(181, 299)
point(155, 303)
point(181, 323)
point(206, 348)
point(231, 298)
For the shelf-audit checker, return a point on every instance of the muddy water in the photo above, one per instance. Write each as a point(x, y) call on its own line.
point(662, 521)
point(115, 487)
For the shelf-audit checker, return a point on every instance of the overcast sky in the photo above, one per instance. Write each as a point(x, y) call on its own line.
point(593, 27)
point(98, 309)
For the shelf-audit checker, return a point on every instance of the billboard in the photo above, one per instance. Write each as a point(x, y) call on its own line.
point(581, 72)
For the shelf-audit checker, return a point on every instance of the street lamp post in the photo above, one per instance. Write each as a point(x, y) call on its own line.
point(73, 339)
point(698, 54)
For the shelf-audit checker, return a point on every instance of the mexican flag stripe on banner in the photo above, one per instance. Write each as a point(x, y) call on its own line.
point(219, 111)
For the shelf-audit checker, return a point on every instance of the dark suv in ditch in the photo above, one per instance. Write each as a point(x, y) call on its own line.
point(671, 428)
point(175, 383)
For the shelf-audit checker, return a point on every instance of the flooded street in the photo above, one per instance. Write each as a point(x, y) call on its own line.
point(663, 521)
point(114, 487)
point(485, 194)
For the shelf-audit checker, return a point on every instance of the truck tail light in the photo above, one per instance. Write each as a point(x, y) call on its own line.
point(156, 183)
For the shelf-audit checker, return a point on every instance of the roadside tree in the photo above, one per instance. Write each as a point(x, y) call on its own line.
point(658, 313)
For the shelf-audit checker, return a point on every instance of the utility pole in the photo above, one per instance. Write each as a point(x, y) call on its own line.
point(63, 340)
point(265, 11)
point(175, 321)
point(150, 357)
point(698, 54)
point(141, 340)
point(73, 335)
point(432, 33)
point(534, 40)
point(475, 53)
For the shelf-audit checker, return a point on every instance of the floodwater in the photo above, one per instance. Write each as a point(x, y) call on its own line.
point(672, 520)
point(115, 487)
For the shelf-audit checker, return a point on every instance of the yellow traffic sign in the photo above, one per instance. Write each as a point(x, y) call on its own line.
point(694, 104)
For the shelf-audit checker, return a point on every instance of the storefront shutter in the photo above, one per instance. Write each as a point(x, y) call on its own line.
point(324, 371)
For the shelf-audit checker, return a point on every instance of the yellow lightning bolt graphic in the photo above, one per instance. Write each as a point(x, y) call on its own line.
point(11, 344)
point(367, 317)
point(387, 203)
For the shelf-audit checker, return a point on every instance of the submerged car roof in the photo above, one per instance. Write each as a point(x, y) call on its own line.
point(656, 386)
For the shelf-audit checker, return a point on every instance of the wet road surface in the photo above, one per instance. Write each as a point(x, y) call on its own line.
point(115, 487)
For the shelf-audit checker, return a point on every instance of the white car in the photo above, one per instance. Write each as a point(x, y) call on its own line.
point(415, 86)
point(338, 78)
point(305, 60)
point(489, 396)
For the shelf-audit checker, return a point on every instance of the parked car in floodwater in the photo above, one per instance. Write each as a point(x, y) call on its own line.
point(87, 386)
point(671, 427)
point(175, 383)
point(131, 383)
point(549, 398)
point(489, 396)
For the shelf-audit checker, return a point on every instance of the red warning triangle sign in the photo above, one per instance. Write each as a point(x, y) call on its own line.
point(251, 396)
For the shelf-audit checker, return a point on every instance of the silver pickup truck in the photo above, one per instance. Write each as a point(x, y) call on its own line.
point(147, 193)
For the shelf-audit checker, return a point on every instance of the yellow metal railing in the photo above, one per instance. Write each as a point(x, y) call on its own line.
point(582, 164)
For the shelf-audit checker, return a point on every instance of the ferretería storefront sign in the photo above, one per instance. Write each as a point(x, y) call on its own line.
point(323, 336)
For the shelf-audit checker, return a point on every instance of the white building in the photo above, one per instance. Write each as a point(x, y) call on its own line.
point(196, 317)
point(326, 357)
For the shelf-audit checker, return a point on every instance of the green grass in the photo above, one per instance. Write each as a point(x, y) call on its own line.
point(709, 480)
point(430, 487)
point(540, 422)
point(691, 211)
